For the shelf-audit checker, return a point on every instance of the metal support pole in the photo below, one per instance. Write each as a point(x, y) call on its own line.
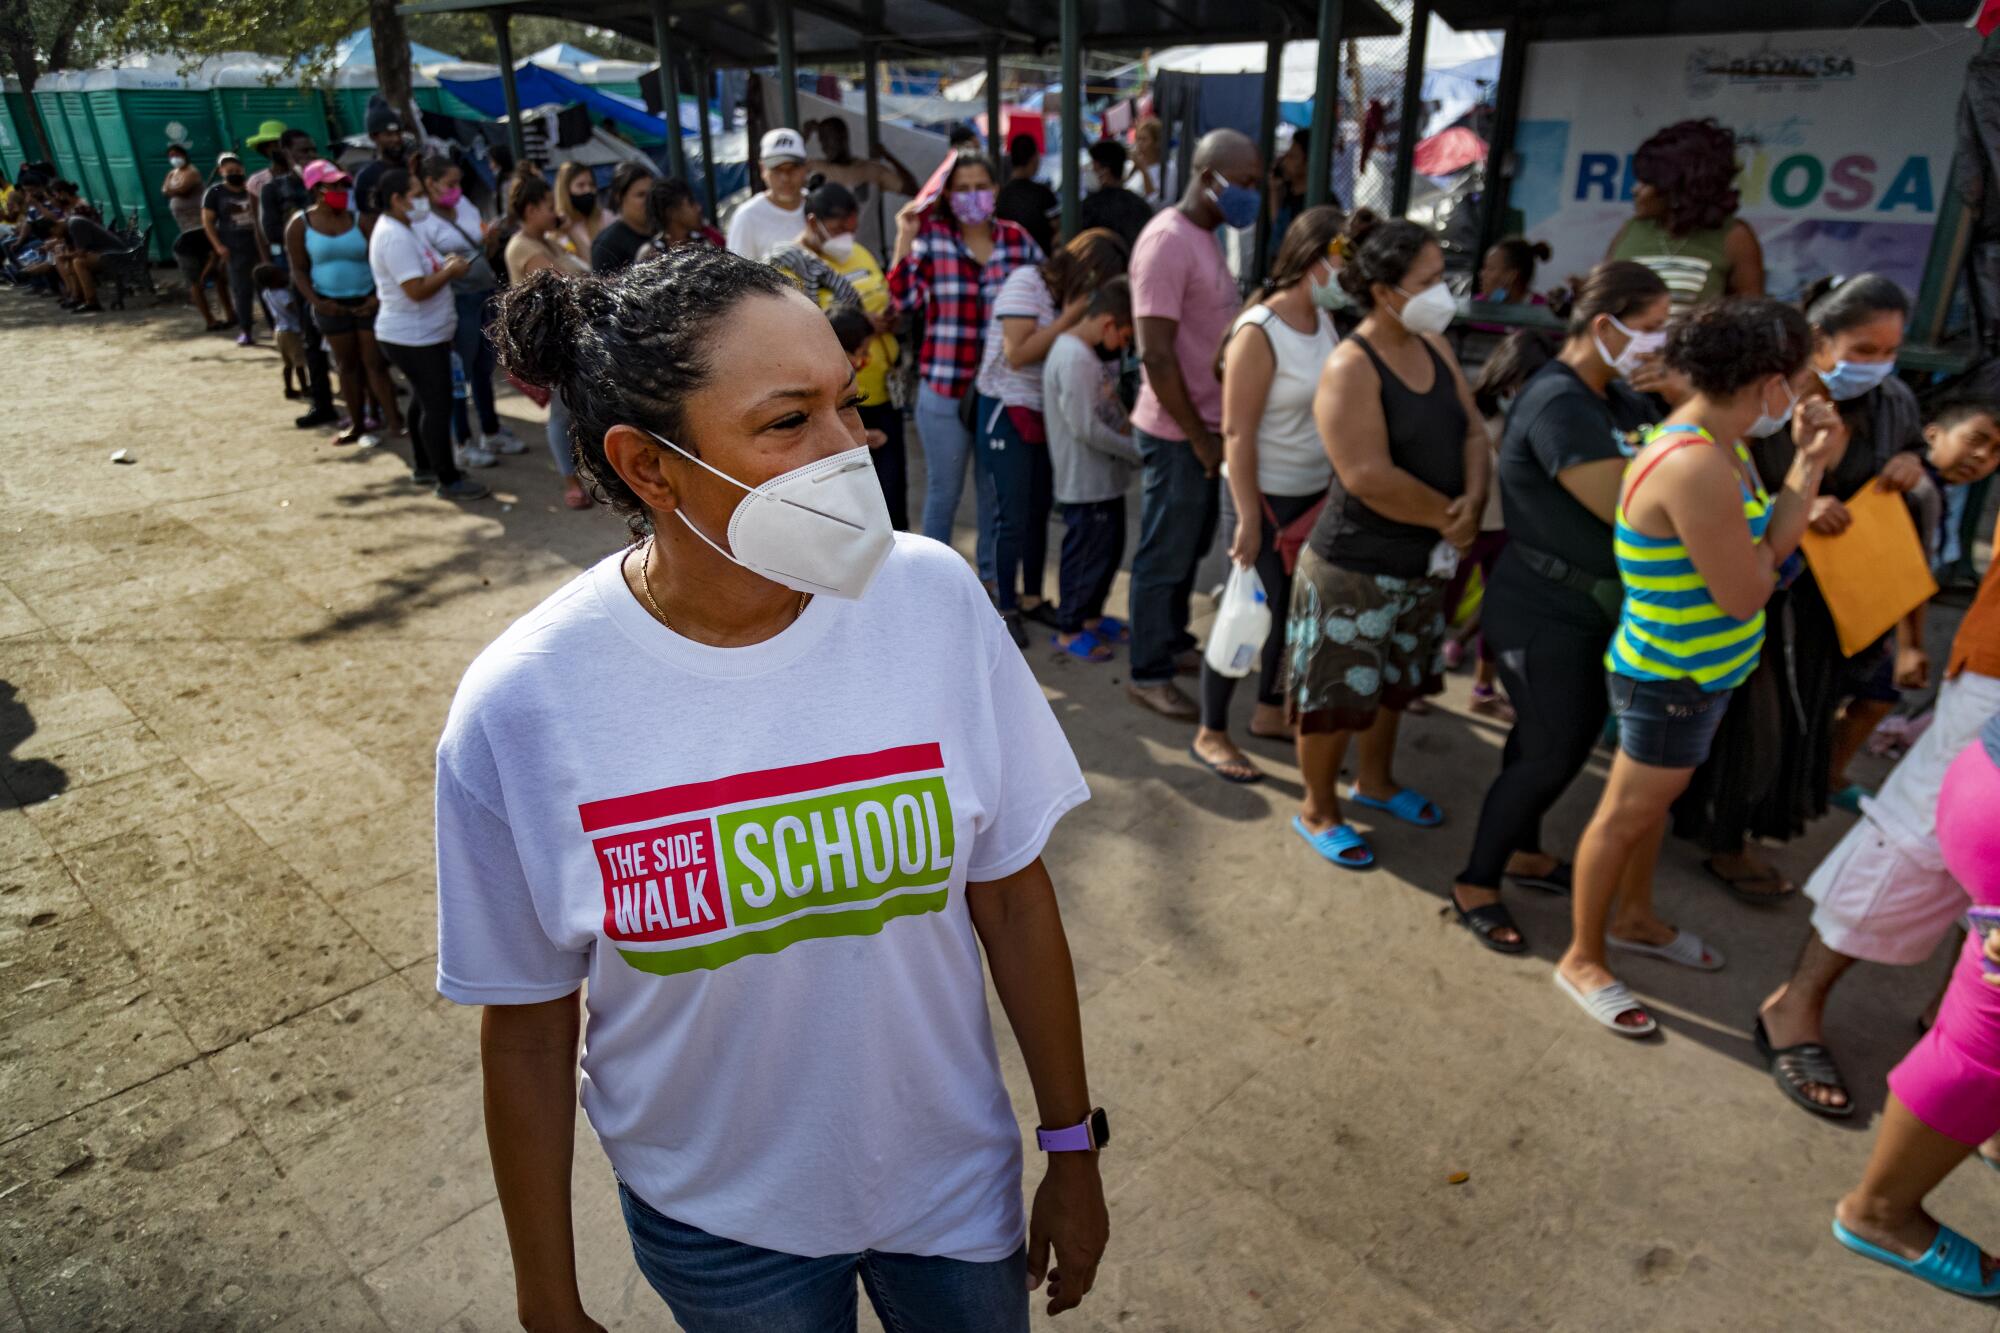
point(1326, 106)
point(704, 79)
point(871, 100)
point(1500, 154)
point(1072, 111)
point(504, 40)
point(788, 68)
point(996, 142)
point(670, 89)
point(1413, 106)
point(1267, 144)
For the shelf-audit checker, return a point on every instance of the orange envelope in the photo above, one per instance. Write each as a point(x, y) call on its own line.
point(1873, 574)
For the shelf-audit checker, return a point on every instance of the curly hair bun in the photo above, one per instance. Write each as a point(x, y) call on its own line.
point(535, 333)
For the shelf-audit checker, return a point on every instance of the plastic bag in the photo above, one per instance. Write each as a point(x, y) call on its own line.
point(1241, 624)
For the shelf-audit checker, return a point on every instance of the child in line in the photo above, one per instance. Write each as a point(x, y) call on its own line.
point(1961, 447)
point(280, 303)
point(1094, 459)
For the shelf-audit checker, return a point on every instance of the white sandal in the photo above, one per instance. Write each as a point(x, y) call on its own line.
point(1606, 1003)
point(1685, 948)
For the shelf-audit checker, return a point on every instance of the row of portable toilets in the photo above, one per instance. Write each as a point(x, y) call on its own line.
point(108, 129)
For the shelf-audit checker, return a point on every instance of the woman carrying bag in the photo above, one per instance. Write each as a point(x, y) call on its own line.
point(455, 228)
point(1276, 467)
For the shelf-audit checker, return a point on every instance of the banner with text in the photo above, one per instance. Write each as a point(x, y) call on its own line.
point(1844, 139)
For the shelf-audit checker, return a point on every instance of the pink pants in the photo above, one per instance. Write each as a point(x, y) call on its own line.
point(1951, 1079)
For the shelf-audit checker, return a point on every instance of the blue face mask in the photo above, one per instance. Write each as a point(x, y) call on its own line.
point(1851, 379)
point(1239, 203)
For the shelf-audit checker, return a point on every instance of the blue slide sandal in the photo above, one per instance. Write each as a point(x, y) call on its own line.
point(1412, 807)
point(1950, 1264)
point(1336, 843)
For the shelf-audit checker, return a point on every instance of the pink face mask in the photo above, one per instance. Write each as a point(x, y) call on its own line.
point(972, 206)
point(449, 198)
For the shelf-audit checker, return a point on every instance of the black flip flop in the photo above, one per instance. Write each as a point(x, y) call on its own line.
point(1741, 895)
point(1483, 921)
point(1255, 774)
point(1808, 1062)
point(1559, 881)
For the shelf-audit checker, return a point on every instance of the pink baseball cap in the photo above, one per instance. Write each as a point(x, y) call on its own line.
point(321, 172)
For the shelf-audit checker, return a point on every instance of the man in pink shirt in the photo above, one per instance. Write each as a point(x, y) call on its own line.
point(1183, 299)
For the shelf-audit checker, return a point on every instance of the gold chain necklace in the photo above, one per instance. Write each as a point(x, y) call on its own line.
point(646, 588)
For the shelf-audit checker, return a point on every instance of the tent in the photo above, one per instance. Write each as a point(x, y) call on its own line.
point(539, 85)
point(562, 53)
point(358, 48)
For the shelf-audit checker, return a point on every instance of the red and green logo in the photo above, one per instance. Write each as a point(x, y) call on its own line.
point(700, 875)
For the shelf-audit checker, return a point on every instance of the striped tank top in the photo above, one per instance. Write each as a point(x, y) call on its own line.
point(1670, 627)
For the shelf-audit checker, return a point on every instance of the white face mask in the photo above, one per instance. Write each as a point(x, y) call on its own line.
point(1638, 346)
point(420, 207)
point(1429, 311)
point(837, 247)
point(1768, 425)
point(821, 528)
point(177, 162)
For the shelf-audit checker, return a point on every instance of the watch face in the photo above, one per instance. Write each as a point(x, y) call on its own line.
point(1100, 1128)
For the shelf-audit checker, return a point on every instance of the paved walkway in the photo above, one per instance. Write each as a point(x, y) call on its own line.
point(230, 1099)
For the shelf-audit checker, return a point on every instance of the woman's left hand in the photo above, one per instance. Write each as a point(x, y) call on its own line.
point(1068, 1215)
point(1900, 474)
point(1819, 432)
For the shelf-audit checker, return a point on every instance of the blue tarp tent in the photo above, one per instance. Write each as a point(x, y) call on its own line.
point(538, 87)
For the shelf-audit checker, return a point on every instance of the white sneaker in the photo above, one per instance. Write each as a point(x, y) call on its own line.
point(504, 441)
point(472, 455)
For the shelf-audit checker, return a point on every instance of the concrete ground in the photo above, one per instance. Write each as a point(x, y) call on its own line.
point(229, 1097)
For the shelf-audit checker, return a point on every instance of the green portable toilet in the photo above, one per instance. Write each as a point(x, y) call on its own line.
point(62, 148)
point(138, 109)
point(244, 98)
point(19, 143)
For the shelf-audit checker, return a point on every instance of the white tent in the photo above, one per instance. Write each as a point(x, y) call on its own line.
point(1445, 47)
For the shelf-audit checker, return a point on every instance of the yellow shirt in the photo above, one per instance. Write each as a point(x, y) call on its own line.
point(864, 273)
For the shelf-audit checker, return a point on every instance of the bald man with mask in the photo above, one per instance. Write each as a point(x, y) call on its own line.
point(1183, 299)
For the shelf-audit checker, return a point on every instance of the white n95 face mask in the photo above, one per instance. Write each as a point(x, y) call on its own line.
point(1429, 311)
point(821, 528)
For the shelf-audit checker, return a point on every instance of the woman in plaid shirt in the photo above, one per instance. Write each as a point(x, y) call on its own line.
point(952, 254)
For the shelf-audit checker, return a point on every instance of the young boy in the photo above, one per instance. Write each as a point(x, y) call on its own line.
point(852, 326)
point(279, 303)
point(1094, 459)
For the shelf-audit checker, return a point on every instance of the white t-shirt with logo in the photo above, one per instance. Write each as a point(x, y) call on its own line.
point(757, 858)
point(395, 255)
point(760, 226)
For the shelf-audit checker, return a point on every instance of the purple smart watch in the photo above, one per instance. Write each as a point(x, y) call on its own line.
point(1089, 1136)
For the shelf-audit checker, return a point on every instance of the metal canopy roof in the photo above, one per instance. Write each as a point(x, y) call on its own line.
point(744, 32)
point(1569, 19)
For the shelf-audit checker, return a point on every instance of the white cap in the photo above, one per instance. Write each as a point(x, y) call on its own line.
point(782, 146)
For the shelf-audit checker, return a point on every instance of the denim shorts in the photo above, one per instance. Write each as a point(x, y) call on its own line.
point(1666, 723)
point(714, 1285)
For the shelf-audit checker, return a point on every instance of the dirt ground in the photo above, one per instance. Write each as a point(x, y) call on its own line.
point(230, 1099)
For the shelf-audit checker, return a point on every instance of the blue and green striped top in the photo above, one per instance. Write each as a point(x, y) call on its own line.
point(1670, 627)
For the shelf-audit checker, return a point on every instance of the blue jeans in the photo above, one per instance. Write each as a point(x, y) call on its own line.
point(1023, 491)
point(559, 434)
point(475, 354)
point(1177, 513)
point(947, 447)
point(713, 1285)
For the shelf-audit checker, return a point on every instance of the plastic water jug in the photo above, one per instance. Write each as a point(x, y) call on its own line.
point(1241, 623)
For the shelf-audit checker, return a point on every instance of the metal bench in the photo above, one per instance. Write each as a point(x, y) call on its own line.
point(129, 269)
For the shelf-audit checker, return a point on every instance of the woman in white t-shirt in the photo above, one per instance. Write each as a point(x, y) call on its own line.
point(1276, 466)
point(1033, 308)
point(414, 327)
point(779, 902)
point(456, 228)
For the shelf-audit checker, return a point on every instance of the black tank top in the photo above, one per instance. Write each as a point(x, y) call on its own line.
point(1426, 440)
